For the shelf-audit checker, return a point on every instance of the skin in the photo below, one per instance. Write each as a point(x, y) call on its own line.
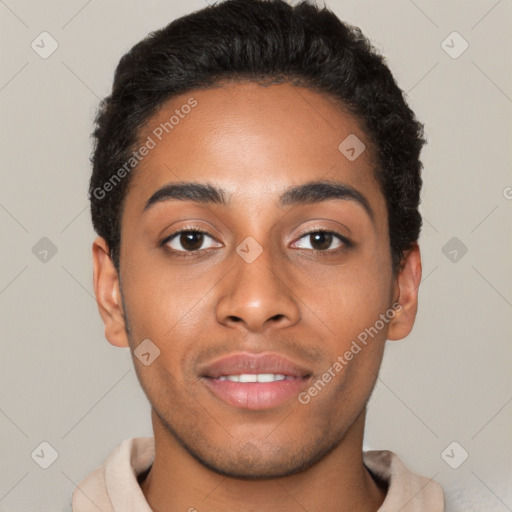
point(255, 142)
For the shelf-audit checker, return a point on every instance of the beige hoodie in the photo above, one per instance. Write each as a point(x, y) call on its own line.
point(113, 486)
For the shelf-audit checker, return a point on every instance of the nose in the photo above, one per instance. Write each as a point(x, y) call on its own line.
point(256, 296)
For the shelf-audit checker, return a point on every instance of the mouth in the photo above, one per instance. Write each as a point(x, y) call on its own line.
point(255, 381)
point(255, 377)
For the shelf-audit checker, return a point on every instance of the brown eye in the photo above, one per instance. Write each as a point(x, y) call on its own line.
point(322, 241)
point(188, 241)
point(191, 240)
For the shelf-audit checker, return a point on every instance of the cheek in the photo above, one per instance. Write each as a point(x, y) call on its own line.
point(348, 298)
point(162, 300)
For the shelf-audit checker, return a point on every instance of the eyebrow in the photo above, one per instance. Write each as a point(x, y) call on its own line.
point(307, 193)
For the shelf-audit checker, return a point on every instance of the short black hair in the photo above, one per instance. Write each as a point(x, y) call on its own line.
point(265, 41)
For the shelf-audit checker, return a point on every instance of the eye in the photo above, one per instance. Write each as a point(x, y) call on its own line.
point(322, 240)
point(188, 241)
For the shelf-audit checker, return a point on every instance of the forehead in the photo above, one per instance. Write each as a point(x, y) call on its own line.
point(253, 141)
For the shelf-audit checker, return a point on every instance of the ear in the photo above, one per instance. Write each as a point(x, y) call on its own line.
point(108, 294)
point(407, 284)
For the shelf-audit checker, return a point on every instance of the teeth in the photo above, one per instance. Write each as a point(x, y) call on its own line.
point(270, 377)
point(249, 377)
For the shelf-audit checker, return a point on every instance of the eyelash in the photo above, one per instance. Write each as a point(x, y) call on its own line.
point(188, 254)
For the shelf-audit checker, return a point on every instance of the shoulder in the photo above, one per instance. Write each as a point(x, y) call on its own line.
point(407, 491)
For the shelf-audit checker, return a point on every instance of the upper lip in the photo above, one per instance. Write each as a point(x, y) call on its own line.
point(253, 363)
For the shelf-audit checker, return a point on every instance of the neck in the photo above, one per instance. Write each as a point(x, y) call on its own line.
point(337, 483)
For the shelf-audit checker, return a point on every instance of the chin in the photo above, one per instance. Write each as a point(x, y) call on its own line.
point(251, 463)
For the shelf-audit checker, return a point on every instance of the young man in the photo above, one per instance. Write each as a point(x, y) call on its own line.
point(255, 191)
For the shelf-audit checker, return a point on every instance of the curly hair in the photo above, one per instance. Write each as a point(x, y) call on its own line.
point(265, 41)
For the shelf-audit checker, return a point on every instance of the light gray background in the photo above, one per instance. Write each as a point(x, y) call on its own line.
point(450, 380)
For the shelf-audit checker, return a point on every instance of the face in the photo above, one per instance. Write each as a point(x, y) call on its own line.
point(275, 285)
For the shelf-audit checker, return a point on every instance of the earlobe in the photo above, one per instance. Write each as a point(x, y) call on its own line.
point(108, 296)
point(408, 282)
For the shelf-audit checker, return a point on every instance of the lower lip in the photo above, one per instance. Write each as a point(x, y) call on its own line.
point(255, 395)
